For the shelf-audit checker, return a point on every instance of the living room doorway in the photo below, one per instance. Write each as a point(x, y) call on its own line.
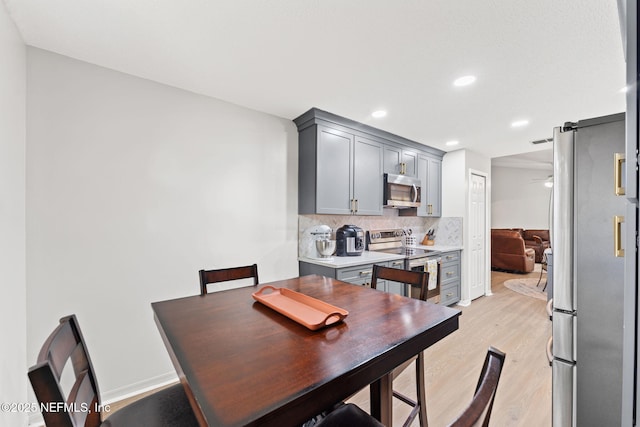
point(478, 234)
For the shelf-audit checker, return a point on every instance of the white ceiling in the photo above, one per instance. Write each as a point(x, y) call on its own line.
point(547, 61)
point(542, 159)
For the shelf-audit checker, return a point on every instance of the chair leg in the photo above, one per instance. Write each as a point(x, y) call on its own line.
point(421, 390)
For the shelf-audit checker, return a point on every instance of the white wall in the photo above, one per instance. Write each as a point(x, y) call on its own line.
point(13, 358)
point(519, 198)
point(456, 167)
point(132, 187)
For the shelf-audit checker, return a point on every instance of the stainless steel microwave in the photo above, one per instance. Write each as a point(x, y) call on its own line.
point(401, 191)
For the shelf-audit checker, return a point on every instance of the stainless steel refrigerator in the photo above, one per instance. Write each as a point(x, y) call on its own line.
point(588, 273)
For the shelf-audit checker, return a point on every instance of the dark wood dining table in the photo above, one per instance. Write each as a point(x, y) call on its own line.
point(242, 363)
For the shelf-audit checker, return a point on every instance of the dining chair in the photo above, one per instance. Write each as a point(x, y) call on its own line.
point(477, 413)
point(226, 274)
point(416, 280)
point(74, 400)
point(479, 410)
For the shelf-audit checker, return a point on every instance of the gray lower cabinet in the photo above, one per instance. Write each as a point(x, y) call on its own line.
point(450, 281)
point(396, 287)
point(358, 275)
point(430, 175)
point(339, 173)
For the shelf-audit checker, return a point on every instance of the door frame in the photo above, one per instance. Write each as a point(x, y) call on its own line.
point(466, 294)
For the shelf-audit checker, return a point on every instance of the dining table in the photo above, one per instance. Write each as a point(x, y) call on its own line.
point(242, 363)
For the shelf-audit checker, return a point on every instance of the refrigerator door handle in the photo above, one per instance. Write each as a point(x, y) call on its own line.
point(619, 159)
point(550, 350)
point(618, 251)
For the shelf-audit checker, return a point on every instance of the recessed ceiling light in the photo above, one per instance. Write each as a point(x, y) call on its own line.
point(451, 143)
point(379, 114)
point(519, 123)
point(464, 81)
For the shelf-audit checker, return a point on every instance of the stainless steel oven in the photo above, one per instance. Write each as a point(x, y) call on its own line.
point(415, 259)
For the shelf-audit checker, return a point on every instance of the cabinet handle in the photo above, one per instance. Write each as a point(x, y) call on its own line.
point(403, 168)
point(430, 209)
point(617, 236)
point(356, 210)
point(450, 294)
point(449, 257)
point(365, 273)
point(449, 273)
point(619, 159)
point(397, 263)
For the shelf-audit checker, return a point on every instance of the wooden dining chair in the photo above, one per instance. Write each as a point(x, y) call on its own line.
point(479, 410)
point(416, 280)
point(476, 414)
point(64, 354)
point(226, 274)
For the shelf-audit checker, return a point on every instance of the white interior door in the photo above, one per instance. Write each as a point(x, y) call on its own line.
point(477, 229)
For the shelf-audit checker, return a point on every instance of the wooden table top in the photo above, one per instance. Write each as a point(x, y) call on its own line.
point(244, 364)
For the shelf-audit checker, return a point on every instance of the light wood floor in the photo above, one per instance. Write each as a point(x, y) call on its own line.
point(516, 324)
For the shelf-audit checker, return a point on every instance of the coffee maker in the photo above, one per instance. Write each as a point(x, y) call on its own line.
point(349, 241)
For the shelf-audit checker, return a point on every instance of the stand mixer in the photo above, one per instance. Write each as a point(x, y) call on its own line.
point(325, 246)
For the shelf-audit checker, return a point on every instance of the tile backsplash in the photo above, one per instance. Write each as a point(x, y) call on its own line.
point(448, 230)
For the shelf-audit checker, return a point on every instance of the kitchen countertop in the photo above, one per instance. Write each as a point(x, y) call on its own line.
point(371, 257)
point(440, 248)
point(367, 257)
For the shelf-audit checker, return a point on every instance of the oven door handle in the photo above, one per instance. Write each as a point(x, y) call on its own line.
point(415, 193)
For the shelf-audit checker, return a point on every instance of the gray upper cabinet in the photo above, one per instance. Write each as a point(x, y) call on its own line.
point(341, 165)
point(367, 177)
point(348, 173)
point(400, 161)
point(334, 172)
point(430, 175)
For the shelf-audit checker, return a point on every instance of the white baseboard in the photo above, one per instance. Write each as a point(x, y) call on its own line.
point(134, 389)
point(121, 393)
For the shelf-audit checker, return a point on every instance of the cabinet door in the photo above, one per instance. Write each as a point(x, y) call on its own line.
point(399, 161)
point(409, 163)
point(392, 159)
point(434, 187)
point(430, 174)
point(367, 177)
point(333, 185)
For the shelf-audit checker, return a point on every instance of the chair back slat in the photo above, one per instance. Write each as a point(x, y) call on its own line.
point(58, 348)
point(65, 349)
point(84, 401)
point(227, 274)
